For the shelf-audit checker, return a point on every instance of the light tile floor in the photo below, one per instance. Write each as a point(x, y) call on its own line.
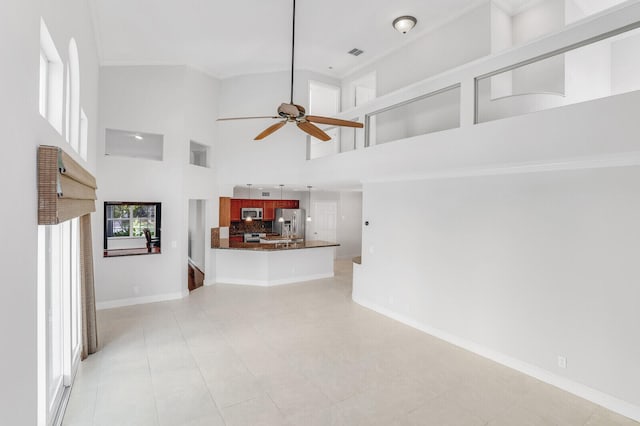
point(301, 354)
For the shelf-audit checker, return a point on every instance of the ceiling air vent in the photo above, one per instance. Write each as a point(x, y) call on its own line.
point(356, 52)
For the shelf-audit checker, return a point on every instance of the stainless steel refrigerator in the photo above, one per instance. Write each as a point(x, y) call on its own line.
point(292, 224)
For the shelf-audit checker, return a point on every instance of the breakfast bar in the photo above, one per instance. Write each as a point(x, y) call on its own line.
point(270, 264)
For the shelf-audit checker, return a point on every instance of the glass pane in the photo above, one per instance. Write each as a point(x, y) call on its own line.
point(144, 211)
point(534, 19)
point(117, 210)
point(119, 228)
point(54, 315)
point(138, 227)
point(426, 114)
point(604, 68)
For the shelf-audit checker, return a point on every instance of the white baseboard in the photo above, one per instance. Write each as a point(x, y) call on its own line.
point(270, 283)
point(605, 400)
point(109, 304)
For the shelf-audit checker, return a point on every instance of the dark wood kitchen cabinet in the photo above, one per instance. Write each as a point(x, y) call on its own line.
point(251, 203)
point(268, 207)
point(225, 212)
point(268, 210)
point(236, 207)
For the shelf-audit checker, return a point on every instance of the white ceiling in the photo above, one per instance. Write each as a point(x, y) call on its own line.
point(226, 38)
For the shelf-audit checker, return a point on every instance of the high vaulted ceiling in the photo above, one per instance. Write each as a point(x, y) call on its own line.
point(226, 38)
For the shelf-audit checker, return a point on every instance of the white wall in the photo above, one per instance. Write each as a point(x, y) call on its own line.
point(530, 266)
point(455, 43)
point(179, 104)
point(23, 129)
point(545, 76)
point(625, 64)
point(501, 39)
point(277, 158)
point(348, 223)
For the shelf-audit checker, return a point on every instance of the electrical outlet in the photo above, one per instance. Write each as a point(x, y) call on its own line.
point(562, 361)
point(174, 244)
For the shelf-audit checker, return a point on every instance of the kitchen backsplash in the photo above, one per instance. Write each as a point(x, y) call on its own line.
point(254, 226)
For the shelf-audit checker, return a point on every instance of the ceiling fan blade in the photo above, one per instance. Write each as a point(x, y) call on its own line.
point(266, 132)
point(334, 121)
point(245, 118)
point(314, 131)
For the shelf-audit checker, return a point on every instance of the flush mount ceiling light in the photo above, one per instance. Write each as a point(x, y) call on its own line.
point(138, 137)
point(404, 23)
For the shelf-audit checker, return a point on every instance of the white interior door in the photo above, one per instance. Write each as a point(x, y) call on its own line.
point(325, 216)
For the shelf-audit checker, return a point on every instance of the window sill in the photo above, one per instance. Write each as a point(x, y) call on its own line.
point(130, 252)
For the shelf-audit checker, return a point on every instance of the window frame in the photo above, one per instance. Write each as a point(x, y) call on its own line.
point(156, 232)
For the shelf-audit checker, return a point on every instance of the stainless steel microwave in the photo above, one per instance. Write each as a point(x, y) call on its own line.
point(254, 213)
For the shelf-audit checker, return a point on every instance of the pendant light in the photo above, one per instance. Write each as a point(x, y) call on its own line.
point(281, 218)
point(309, 213)
point(249, 218)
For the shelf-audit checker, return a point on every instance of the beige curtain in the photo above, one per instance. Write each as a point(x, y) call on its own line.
point(87, 290)
point(66, 191)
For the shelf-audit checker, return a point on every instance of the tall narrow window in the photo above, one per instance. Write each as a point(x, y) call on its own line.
point(67, 102)
point(50, 80)
point(74, 96)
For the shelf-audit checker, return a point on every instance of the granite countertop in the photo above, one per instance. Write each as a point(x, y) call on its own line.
point(241, 234)
point(278, 237)
point(225, 244)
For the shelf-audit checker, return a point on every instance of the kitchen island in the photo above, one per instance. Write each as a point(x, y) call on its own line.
point(269, 264)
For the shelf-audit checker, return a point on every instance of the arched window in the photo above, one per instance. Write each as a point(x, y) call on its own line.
point(74, 96)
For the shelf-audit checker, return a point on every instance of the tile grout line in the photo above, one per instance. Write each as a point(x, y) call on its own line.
point(146, 351)
point(215, 403)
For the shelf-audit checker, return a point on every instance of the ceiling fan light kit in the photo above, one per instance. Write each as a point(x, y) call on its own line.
point(293, 113)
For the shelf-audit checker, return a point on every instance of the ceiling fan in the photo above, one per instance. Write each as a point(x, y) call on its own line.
point(294, 113)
